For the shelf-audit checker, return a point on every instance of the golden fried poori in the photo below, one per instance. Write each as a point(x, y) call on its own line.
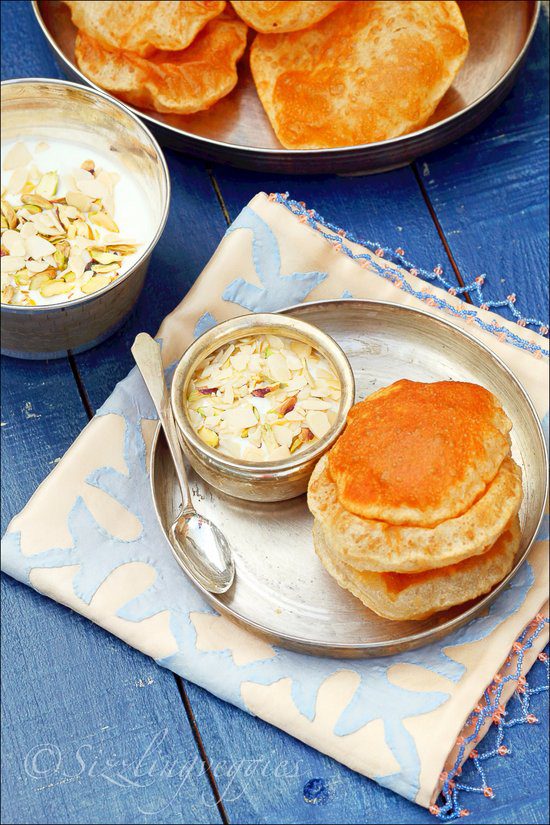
point(419, 595)
point(176, 82)
point(143, 27)
point(416, 505)
point(368, 72)
point(272, 16)
point(419, 453)
point(374, 545)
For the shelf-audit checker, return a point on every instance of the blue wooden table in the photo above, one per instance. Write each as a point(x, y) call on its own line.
point(93, 731)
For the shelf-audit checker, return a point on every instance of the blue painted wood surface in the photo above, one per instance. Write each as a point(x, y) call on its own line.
point(69, 683)
point(490, 191)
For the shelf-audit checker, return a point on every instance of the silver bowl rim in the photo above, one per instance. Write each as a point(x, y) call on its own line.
point(400, 140)
point(380, 648)
point(66, 305)
point(233, 467)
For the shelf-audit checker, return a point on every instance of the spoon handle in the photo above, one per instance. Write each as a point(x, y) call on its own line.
point(147, 356)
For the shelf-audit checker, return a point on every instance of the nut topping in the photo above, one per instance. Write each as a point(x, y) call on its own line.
point(56, 242)
point(262, 399)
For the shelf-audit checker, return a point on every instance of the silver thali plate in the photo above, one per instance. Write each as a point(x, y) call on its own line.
point(281, 591)
point(237, 131)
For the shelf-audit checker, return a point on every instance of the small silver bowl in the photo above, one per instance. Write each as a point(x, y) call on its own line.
point(263, 481)
point(39, 109)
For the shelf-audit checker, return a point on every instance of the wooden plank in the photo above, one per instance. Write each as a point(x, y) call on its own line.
point(92, 731)
point(25, 52)
point(41, 415)
point(490, 192)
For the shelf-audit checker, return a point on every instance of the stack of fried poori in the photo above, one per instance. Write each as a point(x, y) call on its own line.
point(416, 506)
point(328, 72)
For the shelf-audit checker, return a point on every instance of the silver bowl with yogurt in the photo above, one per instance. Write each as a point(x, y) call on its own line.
point(261, 480)
point(73, 123)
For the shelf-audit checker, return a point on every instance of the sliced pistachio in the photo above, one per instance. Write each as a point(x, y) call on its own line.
point(9, 214)
point(69, 277)
point(36, 200)
point(23, 277)
point(7, 294)
point(38, 280)
point(103, 270)
point(31, 208)
point(103, 257)
point(47, 185)
point(96, 283)
point(261, 392)
point(63, 246)
point(104, 219)
point(209, 437)
point(51, 288)
point(60, 258)
point(288, 405)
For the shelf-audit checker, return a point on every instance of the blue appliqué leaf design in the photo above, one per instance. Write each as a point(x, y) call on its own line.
point(277, 290)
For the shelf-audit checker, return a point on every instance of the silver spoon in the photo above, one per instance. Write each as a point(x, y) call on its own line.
point(200, 547)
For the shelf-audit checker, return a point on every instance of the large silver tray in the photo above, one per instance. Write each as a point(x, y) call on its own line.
point(281, 589)
point(237, 131)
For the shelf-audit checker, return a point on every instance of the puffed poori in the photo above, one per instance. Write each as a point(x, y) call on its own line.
point(417, 454)
point(368, 72)
point(141, 26)
point(371, 544)
point(175, 82)
point(277, 16)
point(403, 596)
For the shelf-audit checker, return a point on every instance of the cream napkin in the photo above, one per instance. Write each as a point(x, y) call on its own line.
point(99, 549)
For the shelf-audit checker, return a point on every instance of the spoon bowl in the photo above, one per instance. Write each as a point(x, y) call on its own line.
point(200, 548)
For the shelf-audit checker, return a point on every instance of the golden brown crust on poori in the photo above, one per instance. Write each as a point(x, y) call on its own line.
point(278, 16)
point(419, 453)
point(141, 26)
point(175, 82)
point(417, 596)
point(369, 544)
point(367, 72)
